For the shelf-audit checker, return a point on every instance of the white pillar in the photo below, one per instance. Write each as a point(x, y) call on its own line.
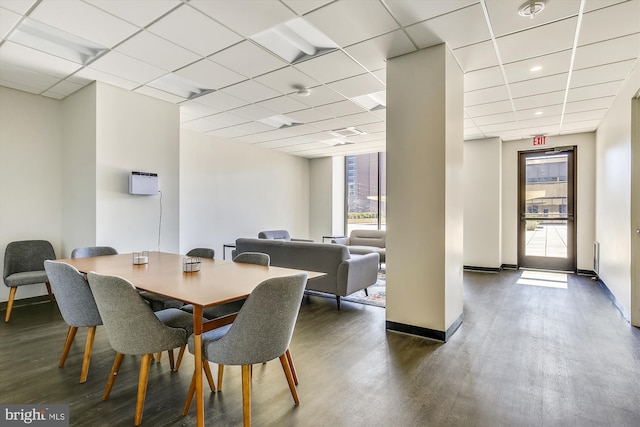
point(424, 193)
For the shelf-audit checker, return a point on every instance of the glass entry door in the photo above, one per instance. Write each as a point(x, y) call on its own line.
point(546, 236)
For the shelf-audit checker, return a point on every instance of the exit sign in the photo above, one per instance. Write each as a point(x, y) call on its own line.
point(540, 140)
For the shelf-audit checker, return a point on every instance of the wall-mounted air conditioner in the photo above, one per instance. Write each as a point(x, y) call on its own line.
point(143, 183)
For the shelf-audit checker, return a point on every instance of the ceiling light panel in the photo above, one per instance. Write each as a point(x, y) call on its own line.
point(331, 67)
point(349, 22)
point(295, 40)
point(248, 59)
point(38, 61)
point(180, 86)
point(157, 51)
point(279, 121)
point(210, 74)
point(51, 40)
point(84, 21)
point(194, 31)
point(139, 12)
point(127, 67)
point(372, 101)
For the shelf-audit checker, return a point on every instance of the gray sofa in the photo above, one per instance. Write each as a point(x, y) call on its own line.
point(280, 235)
point(365, 242)
point(346, 273)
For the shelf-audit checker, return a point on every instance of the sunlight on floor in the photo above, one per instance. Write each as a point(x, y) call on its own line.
point(543, 278)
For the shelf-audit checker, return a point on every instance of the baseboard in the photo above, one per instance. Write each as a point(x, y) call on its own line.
point(614, 300)
point(509, 266)
point(586, 273)
point(26, 301)
point(433, 334)
point(482, 269)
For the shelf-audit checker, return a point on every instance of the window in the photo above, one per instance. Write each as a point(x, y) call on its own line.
point(365, 180)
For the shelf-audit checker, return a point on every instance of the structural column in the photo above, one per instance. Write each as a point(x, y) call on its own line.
point(424, 193)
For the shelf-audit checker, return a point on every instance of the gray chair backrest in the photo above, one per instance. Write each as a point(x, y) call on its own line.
point(73, 295)
point(275, 235)
point(264, 326)
point(131, 325)
point(26, 255)
point(202, 252)
point(368, 238)
point(259, 258)
point(90, 251)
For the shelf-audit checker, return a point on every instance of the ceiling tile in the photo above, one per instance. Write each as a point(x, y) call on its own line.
point(195, 109)
point(363, 84)
point(227, 119)
point(495, 119)
point(84, 20)
point(194, 31)
point(593, 91)
point(505, 18)
point(537, 41)
point(602, 74)
point(330, 67)
point(126, 67)
point(156, 51)
point(411, 11)
point(541, 100)
point(18, 6)
point(360, 119)
point(500, 127)
point(375, 127)
point(286, 80)
point(8, 20)
point(381, 75)
point(341, 108)
point(252, 112)
point(246, 18)
point(138, 12)
point(25, 57)
point(481, 55)
point(482, 79)
point(63, 89)
point(321, 95)
point(540, 85)
point(309, 115)
point(251, 91)
point(547, 111)
point(491, 108)
point(201, 125)
point(625, 15)
point(540, 130)
point(281, 104)
point(588, 126)
point(585, 116)
point(484, 96)
point(589, 104)
point(373, 54)
point(159, 94)
point(329, 125)
point(349, 22)
point(302, 7)
point(447, 27)
point(220, 101)
point(241, 130)
point(554, 63)
point(19, 78)
point(607, 51)
point(91, 74)
point(209, 74)
point(248, 59)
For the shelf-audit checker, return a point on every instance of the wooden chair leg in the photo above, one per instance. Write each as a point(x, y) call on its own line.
point(71, 335)
point(292, 366)
point(172, 363)
point(158, 357)
point(246, 395)
point(287, 373)
point(190, 393)
point(145, 362)
point(207, 372)
point(180, 354)
point(112, 376)
point(12, 295)
point(91, 334)
point(48, 285)
point(220, 374)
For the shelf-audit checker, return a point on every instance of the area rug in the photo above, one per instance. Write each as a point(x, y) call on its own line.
point(377, 293)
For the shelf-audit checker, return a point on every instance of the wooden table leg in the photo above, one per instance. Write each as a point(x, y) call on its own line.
point(197, 343)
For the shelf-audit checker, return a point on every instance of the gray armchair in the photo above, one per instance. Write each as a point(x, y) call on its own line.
point(24, 265)
point(280, 235)
point(133, 328)
point(91, 251)
point(77, 306)
point(261, 332)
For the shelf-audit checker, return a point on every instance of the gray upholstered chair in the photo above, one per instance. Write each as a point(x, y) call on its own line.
point(280, 235)
point(160, 302)
point(133, 328)
point(24, 265)
point(91, 251)
point(77, 306)
point(261, 332)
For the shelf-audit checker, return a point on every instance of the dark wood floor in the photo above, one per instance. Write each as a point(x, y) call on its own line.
point(524, 356)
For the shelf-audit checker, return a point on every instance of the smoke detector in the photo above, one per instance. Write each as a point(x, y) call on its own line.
point(531, 8)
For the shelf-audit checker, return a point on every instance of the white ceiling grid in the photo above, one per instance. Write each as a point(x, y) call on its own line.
point(210, 43)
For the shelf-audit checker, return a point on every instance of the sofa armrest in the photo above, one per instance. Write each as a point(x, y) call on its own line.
point(357, 272)
point(302, 240)
point(341, 241)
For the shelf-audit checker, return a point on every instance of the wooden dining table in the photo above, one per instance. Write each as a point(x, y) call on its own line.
point(218, 282)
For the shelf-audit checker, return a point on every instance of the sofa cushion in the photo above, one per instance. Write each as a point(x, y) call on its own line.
point(367, 238)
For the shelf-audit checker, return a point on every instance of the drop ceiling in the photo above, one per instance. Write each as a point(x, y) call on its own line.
point(556, 73)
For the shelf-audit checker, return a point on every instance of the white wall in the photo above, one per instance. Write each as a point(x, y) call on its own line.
point(326, 208)
point(483, 203)
point(635, 212)
point(230, 189)
point(30, 174)
point(135, 132)
point(613, 193)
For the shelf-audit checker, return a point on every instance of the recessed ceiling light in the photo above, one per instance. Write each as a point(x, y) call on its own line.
point(531, 8)
point(335, 141)
point(280, 121)
point(180, 86)
point(47, 39)
point(372, 101)
point(346, 132)
point(538, 113)
point(303, 91)
point(295, 40)
point(536, 68)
